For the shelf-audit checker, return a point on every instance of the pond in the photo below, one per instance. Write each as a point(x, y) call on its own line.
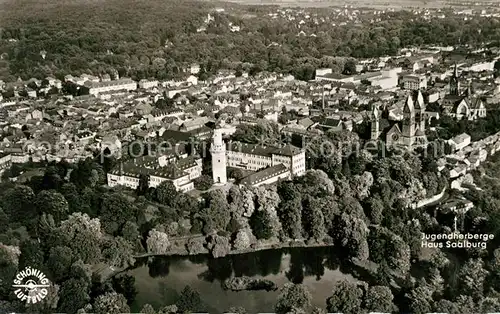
point(159, 280)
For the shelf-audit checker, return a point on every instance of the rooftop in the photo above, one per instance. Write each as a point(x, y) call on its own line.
point(265, 174)
point(123, 81)
point(172, 171)
point(263, 150)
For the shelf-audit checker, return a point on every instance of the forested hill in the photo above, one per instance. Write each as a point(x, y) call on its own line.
point(79, 34)
point(157, 38)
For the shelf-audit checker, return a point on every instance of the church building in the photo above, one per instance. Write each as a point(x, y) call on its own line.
point(408, 131)
point(460, 105)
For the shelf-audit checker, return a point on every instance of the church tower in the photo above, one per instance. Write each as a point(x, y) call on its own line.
point(455, 83)
point(420, 106)
point(375, 125)
point(468, 92)
point(408, 128)
point(218, 152)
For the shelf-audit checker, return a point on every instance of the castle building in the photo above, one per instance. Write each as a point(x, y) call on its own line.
point(407, 132)
point(257, 157)
point(180, 171)
point(218, 152)
point(270, 163)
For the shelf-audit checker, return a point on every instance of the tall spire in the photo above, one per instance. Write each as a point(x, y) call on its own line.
point(468, 92)
point(409, 107)
point(419, 102)
point(408, 127)
point(454, 82)
point(375, 127)
point(374, 111)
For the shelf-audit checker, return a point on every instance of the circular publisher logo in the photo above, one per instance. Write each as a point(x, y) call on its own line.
point(31, 285)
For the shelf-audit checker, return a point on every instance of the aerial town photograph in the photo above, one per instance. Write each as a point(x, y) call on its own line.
point(249, 156)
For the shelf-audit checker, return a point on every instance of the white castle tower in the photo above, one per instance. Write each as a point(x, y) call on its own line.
point(218, 152)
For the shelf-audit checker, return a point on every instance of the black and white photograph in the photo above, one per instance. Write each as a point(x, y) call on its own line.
point(249, 156)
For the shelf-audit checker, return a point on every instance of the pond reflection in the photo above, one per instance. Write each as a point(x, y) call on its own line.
point(159, 280)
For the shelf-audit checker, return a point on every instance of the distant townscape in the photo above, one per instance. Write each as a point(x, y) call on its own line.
point(164, 157)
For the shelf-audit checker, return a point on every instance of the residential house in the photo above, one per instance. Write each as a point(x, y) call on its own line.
point(414, 82)
point(459, 142)
point(5, 161)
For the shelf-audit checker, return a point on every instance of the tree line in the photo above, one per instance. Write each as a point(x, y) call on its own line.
point(160, 39)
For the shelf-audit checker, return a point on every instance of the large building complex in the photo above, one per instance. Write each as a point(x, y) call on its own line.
point(96, 88)
point(270, 163)
point(256, 157)
point(180, 171)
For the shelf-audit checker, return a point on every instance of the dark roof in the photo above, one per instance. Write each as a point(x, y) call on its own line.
point(137, 167)
point(176, 136)
point(476, 103)
point(158, 112)
point(262, 150)
point(91, 84)
point(199, 131)
point(130, 170)
point(170, 172)
point(386, 125)
point(186, 163)
point(451, 100)
point(287, 150)
point(330, 122)
point(264, 174)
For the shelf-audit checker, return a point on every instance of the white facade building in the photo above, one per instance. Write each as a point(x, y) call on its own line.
point(459, 142)
point(267, 176)
point(414, 82)
point(180, 172)
point(323, 71)
point(96, 88)
point(5, 161)
point(257, 157)
point(146, 84)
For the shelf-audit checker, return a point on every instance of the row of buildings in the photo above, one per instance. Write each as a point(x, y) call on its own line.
point(152, 111)
point(410, 130)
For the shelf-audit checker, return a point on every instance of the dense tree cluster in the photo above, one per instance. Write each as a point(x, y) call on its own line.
point(159, 39)
point(358, 202)
point(448, 127)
